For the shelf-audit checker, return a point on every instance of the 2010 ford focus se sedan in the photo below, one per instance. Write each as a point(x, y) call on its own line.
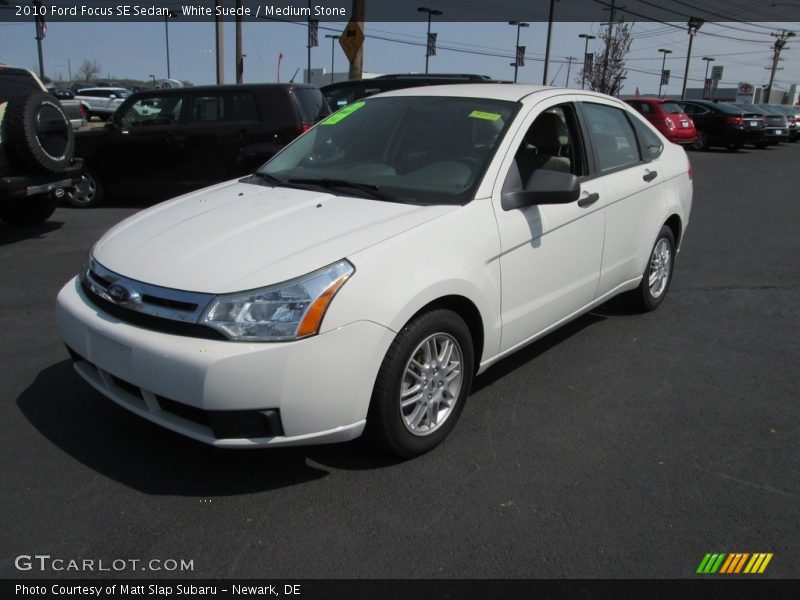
point(362, 277)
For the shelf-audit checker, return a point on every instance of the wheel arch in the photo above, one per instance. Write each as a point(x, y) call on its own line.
point(468, 311)
point(676, 225)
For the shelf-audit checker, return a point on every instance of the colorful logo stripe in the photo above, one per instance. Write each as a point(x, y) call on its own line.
point(734, 563)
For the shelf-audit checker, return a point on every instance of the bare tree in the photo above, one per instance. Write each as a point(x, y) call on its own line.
point(88, 70)
point(608, 68)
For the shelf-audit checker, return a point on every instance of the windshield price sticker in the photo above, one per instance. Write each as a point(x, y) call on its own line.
point(479, 114)
point(343, 114)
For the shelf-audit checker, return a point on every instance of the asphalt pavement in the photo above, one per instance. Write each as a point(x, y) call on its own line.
point(620, 446)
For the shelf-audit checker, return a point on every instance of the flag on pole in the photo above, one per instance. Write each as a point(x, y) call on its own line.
point(431, 44)
point(313, 34)
point(520, 56)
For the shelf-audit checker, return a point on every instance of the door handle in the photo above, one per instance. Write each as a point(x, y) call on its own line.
point(650, 175)
point(589, 199)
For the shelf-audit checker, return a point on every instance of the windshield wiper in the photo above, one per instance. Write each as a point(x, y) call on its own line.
point(369, 189)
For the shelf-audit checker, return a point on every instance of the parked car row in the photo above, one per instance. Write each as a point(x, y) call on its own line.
point(702, 123)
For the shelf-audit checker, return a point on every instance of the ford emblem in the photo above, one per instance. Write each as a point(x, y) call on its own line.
point(118, 293)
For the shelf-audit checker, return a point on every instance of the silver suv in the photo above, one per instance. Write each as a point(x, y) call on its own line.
point(101, 102)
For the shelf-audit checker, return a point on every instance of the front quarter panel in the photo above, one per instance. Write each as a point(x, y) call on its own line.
point(453, 255)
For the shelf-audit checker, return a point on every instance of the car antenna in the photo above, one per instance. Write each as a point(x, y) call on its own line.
point(295, 75)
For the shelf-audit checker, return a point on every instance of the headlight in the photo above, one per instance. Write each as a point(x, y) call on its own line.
point(278, 313)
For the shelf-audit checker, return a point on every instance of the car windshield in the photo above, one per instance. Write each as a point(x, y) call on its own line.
point(426, 149)
point(671, 108)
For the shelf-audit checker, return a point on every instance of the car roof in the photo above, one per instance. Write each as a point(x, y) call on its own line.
point(112, 89)
point(513, 92)
point(229, 88)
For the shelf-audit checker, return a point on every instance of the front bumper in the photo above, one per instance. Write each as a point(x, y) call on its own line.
point(320, 386)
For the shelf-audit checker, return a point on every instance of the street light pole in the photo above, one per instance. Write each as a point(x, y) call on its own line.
point(333, 41)
point(664, 51)
point(587, 37)
point(166, 33)
point(708, 60)
point(431, 12)
point(516, 48)
point(693, 25)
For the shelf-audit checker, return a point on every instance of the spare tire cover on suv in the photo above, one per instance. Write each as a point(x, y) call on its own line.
point(36, 133)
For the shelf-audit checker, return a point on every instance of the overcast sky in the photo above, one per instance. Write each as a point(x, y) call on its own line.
point(137, 50)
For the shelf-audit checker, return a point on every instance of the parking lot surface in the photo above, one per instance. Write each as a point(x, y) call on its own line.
point(620, 446)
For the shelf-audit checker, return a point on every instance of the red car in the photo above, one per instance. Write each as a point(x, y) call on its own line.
point(668, 118)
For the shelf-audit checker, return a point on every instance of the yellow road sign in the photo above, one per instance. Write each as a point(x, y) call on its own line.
point(352, 39)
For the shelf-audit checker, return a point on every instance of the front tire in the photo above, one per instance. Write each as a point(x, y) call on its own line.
point(422, 385)
point(657, 273)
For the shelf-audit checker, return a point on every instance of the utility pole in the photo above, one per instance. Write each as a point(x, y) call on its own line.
point(41, 28)
point(664, 51)
point(569, 68)
point(219, 23)
point(779, 45)
point(516, 64)
point(587, 37)
point(549, 35)
point(693, 25)
point(355, 70)
point(239, 55)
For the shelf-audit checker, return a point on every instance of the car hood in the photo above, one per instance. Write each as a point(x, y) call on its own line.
point(237, 236)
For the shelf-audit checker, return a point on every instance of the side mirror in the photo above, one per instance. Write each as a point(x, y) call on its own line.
point(544, 187)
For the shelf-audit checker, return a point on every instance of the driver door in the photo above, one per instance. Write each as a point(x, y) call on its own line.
point(550, 254)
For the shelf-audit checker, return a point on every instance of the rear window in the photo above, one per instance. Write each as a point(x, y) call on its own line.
point(671, 108)
point(311, 104)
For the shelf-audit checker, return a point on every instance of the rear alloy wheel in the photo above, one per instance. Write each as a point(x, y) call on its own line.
point(422, 385)
point(657, 274)
point(88, 193)
point(701, 143)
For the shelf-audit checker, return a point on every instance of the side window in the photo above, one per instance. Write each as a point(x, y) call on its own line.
point(645, 108)
point(206, 109)
point(150, 110)
point(612, 136)
point(241, 107)
point(551, 144)
point(689, 109)
point(650, 144)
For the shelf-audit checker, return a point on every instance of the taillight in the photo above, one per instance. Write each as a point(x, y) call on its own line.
point(82, 110)
point(690, 172)
point(669, 123)
point(738, 120)
point(305, 127)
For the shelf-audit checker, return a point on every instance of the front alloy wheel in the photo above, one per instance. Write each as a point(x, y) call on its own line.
point(422, 384)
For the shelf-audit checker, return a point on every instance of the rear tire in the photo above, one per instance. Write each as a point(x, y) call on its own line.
point(701, 143)
point(88, 193)
point(422, 385)
point(26, 212)
point(657, 273)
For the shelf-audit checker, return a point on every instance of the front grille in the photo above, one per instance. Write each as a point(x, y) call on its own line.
point(146, 305)
point(153, 323)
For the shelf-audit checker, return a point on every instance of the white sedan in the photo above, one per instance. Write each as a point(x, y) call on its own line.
point(362, 277)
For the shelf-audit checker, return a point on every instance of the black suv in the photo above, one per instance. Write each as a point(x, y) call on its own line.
point(162, 143)
point(342, 93)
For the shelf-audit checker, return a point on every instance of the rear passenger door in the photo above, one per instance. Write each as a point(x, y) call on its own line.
point(632, 189)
